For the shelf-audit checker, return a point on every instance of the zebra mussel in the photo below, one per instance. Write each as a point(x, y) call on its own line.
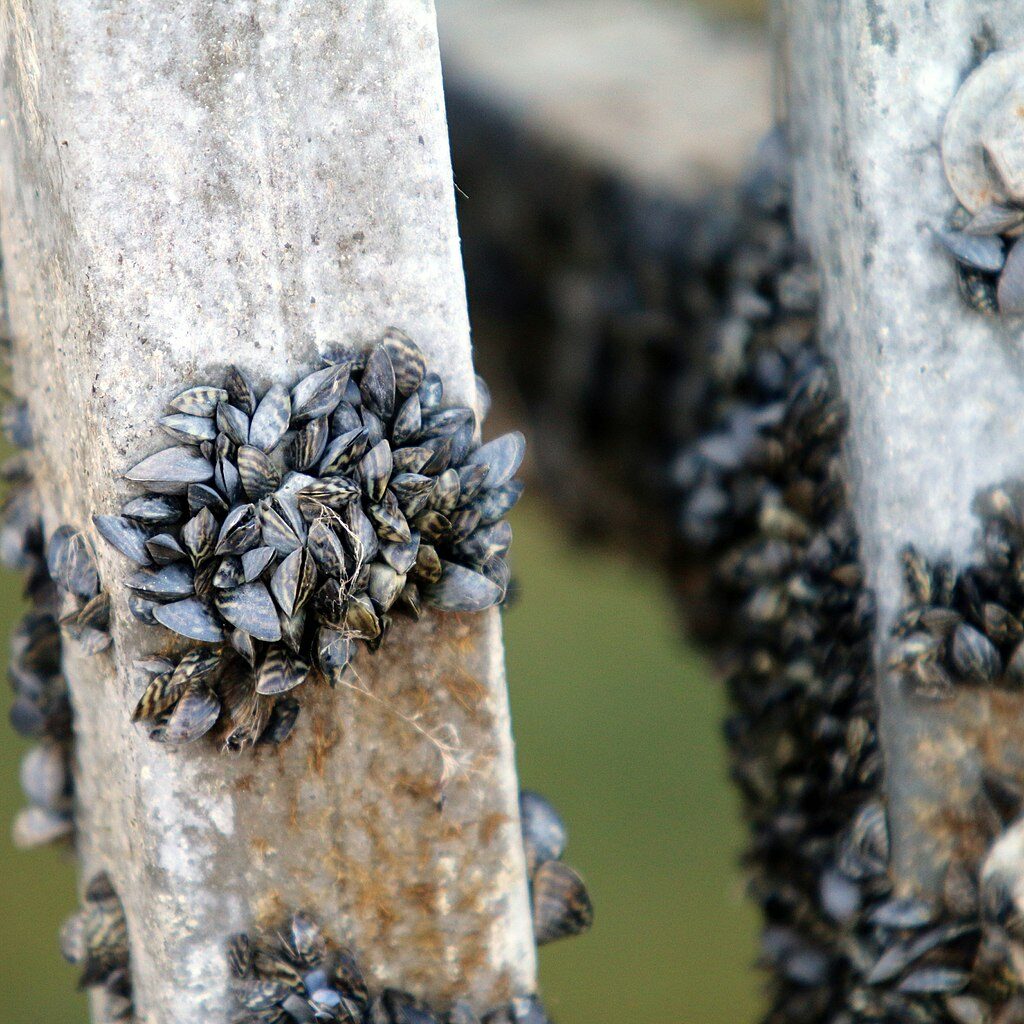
point(980, 155)
point(281, 532)
point(96, 939)
point(762, 497)
point(41, 709)
point(989, 263)
point(296, 973)
point(85, 607)
point(559, 899)
point(966, 628)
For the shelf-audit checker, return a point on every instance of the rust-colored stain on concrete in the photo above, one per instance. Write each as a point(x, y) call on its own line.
point(262, 847)
point(395, 774)
point(270, 910)
point(425, 895)
point(326, 735)
point(946, 814)
point(489, 826)
point(466, 690)
point(244, 784)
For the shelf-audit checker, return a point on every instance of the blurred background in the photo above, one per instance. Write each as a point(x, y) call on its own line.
point(617, 720)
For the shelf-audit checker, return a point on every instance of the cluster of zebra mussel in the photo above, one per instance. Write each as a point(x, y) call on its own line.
point(41, 709)
point(959, 630)
point(607, 286)
point(967, 628)
point(282, 531)
point(763, 495)
point(989, 262)
point(296, 974)
point(96, 939)
point(84, 607)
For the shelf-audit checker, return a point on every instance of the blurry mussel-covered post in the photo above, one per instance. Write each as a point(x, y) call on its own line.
point(597, 214)
point(230, 237)
point(934, 386)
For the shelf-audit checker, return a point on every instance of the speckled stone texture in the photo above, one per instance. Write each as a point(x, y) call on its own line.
point(184, 184)
point(936, 391)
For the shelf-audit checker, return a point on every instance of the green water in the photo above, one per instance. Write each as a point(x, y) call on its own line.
point(37, 888)
point(619, 725)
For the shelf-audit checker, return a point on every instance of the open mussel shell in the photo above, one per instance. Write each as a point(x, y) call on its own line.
point(239, 532)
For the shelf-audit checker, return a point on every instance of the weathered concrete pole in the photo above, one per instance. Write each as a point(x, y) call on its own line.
point(935, 390)
point(187, 185)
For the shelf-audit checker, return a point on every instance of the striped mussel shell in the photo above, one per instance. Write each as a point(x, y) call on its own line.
point(559, 899)
point(96, 940)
